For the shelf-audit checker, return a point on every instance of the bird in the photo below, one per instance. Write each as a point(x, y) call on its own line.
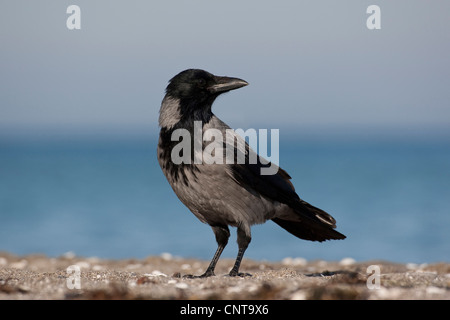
point(226, 194)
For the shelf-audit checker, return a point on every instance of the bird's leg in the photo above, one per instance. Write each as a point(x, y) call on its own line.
point(222, 234)
point(243, 238)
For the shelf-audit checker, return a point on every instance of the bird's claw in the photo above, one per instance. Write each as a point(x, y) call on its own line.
point(205, 275)
point(239, 274)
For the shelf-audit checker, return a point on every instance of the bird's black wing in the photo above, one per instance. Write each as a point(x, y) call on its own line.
point(277, 187)
point(306, 221)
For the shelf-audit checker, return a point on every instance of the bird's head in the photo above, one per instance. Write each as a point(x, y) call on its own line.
point(201, 86)
point(193, 91)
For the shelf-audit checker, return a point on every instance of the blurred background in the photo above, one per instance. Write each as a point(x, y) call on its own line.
point(363, 116)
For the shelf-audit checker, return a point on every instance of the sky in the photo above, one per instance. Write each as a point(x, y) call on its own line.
point(310, 64)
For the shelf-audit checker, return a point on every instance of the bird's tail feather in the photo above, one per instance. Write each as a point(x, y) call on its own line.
point(309, 223)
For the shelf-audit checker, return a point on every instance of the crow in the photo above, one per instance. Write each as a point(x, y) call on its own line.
point(227, 194)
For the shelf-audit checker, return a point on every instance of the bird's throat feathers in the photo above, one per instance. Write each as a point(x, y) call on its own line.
point(178, 114)
point(181, 113)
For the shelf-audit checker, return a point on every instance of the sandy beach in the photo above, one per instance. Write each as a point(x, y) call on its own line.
point(40, 277)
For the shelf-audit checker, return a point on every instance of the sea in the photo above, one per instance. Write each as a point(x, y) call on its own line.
point(108, 198)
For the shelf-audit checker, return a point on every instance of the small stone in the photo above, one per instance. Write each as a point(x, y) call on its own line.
point(412, 266)
point(69, 255)
point(185, 266)
point(143, 280)
point(19, 264)
point(299, 261)
point(83, 264)
point(181, 285)
point(299, 295)
point(288, 261)
point(166, 256)
point(435, 290)
point(347, 262)
point(155, 273)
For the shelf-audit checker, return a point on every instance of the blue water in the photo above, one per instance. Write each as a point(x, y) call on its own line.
point(109, 198)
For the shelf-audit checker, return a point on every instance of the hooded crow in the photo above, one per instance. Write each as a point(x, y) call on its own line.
point(228, 194)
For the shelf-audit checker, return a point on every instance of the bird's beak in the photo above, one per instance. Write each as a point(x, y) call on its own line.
point(224, 84)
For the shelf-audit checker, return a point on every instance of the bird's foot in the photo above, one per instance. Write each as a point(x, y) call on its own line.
point(239, 274)
point(208, 273)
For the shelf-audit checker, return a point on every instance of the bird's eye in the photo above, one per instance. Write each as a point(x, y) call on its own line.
point(201, 83)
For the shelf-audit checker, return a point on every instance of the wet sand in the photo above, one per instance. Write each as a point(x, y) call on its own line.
point(40, 277)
